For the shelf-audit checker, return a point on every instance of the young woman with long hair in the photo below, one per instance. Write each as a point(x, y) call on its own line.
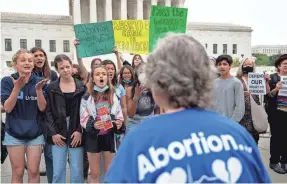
point(137, 60)
point(119, 89)
point(22, 95)
point(42, 69)
point(140, 102)
point(127, 76)
point(41, 64)
point(63, 121)
point(101, 117)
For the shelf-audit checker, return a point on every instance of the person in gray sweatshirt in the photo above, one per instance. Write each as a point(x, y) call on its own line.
point(228, 92)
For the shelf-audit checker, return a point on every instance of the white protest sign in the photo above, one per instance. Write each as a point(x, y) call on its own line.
point(283, 90)
point(256, 84)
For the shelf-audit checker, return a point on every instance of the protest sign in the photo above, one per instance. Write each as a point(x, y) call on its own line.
point(131, 36)
point(95, 38)
point(256, 84)
point(283, 90)
point(165, 19)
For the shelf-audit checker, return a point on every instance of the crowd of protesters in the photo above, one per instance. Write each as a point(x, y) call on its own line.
point(180, 112)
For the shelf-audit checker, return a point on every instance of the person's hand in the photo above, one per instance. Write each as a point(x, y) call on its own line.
point(279, 85)
point(119, 124)
point(39, 86)
point(57, 139)
point(99, 125)
point(76, 42)
point(115, 50)
point(137, 91)
point(267, 77)
point(19, 83)
point(77, 139)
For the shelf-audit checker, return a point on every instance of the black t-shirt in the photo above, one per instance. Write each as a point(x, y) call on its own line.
point(68, 98)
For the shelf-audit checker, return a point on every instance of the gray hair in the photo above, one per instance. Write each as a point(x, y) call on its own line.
point(239, 71)
point(180, 68)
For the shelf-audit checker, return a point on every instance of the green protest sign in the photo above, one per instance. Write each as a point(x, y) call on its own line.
point(165, 19)
point(95, 38)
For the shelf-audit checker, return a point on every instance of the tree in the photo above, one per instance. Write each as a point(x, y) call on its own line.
point(236, 62)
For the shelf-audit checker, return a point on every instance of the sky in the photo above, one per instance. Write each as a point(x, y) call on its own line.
point(267, 18)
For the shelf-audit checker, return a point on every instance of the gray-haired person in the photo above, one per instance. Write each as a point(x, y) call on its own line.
point(188, 143)
point(228, 93)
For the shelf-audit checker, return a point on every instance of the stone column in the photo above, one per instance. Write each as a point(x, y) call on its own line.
point(108, 10)
point(181, 3)
point(167, 2)
point(139, 9)
point(124, 10)
point(77, 12)
point(93, 11)
point(153, 2)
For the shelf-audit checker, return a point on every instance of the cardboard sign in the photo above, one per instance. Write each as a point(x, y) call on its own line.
point(256, 84)
point(283, 90)
point(131, 36)
point(95, 38)
point(165, 19)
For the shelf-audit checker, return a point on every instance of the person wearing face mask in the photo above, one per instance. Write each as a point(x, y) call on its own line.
point(101, 117)
point(140, 102)
point(247, 66)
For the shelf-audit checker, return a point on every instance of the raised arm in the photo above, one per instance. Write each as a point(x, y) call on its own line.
point(83, 69)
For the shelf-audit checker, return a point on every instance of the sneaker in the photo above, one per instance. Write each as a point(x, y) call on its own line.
point(284, 167)
point(277, 168)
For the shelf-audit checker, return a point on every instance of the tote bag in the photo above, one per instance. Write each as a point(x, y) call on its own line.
point(259, 116)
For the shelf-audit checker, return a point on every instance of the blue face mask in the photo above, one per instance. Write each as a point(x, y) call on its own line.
point(101, 90)
point(127, 81)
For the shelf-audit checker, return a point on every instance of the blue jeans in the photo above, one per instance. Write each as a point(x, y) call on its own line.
point(49, 161)
point(60, 160)
point(76, 156)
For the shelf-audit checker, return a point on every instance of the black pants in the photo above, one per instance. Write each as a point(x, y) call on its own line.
point(278, 141)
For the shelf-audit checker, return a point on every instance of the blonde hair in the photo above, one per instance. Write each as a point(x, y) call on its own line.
point(17, 54)
point(239, 71)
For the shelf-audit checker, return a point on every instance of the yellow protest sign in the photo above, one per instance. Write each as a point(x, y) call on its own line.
point(131, 36)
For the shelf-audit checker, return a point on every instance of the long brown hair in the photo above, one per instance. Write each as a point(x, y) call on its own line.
point(46, 68)
point(133, 63)
point(108, 94)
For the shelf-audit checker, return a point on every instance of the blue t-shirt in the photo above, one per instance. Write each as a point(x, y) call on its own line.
point(188, 146)
point(120, 91)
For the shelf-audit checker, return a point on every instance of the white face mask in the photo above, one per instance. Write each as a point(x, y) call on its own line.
point(142, 78)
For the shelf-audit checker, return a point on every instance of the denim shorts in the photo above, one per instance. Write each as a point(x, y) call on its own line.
point(12, 141)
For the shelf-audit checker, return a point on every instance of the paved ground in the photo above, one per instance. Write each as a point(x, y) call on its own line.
point(263, 145)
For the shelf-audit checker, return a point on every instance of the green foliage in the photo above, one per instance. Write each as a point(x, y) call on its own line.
point(9, 64)
point(236, 62)
point(264, 60)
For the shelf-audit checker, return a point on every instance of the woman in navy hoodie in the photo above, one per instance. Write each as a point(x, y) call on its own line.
point(22, 96)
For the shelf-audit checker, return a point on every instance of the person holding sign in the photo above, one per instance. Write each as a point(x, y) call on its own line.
point(101, 116)
point(276, 108)
point(228, 96)
point(248, 66)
